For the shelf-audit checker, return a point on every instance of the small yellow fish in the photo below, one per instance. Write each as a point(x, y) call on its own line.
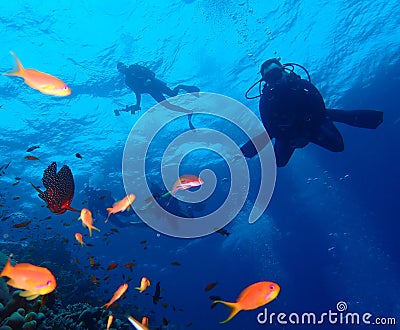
point(117, 294)
point(78, 237)
point(109, 321)
point(121, 205)
point(40, 81)
point(144, 284)
point(87, 220)
point(145, 321)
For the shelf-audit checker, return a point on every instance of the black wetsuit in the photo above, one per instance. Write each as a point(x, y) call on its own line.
point(142, 80)
point(293, 112)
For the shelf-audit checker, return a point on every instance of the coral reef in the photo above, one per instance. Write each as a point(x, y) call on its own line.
point(20, 314)
point(80, 316)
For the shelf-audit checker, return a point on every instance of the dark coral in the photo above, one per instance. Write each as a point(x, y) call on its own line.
point(81, 316)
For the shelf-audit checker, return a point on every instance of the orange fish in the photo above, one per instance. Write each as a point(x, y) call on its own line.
point(184, 182)
point(78, 237)
point(40, 81)
point(129, 265)
point(91, 261)
point(144, 284)
point(33, 280)
point(31, 158)
point(137, 324)
point(109, 321)
point(121, 205)
point(22, 224)
point(112, 266)
point(87, 220)
point(121, 290)
point(95, 280)
point(210, 286)
point(145, 321)
point(254, 296)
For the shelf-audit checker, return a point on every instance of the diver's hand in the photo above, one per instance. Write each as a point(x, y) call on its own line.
point(133, 108)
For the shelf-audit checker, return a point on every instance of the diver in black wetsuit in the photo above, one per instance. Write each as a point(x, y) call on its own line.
point(293, 112)
point(142, 80)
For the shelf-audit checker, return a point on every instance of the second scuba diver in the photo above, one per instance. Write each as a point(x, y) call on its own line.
point(293, 113)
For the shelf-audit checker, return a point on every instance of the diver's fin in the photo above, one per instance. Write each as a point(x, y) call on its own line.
point(189, 89)
point(283, 152)
point(249, 149)
point(358, 118)
point(328, 136)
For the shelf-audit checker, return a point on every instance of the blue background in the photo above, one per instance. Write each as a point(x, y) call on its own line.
point(331, 230)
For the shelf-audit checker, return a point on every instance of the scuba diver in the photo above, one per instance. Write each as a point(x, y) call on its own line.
point(142, 80)
point(293, 112)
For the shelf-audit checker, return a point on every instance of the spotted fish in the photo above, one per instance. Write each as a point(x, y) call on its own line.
point(59, 188)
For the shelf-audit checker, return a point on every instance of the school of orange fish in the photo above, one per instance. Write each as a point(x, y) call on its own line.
point(37, 281)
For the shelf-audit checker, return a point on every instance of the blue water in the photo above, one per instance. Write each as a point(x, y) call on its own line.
point(330, 232)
